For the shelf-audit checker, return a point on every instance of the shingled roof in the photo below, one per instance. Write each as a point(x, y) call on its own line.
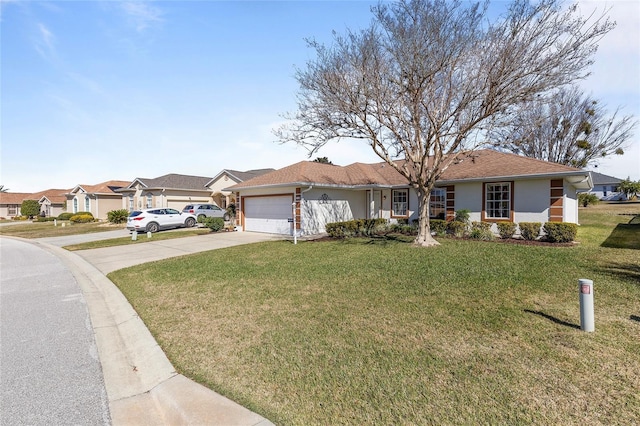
point(175, 181)
point(108, 187)
point(482, 164)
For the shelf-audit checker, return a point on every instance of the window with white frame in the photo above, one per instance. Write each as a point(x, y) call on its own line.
point(437, 203)
point(149, 201)
point(498, 200)
point(400, 202)
point(131, 205)
point(87, 204)
point(12, 209)
point(75, 205)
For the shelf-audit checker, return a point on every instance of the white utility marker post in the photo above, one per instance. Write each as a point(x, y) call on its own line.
point(587, 322)
point(134, 235)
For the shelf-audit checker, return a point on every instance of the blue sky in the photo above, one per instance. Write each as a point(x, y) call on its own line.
point(100, 90)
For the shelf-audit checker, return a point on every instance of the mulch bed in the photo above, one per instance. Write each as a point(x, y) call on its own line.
point(497, 240)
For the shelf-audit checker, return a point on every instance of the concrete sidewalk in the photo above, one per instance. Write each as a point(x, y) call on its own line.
point(142, 386)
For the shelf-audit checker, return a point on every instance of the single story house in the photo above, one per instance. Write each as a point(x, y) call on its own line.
point(98, 199)
point(494, 186)
point(172, 190)
point(52, 202)
point(606, 188)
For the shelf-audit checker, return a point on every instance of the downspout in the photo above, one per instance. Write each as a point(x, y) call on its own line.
point(295, 231)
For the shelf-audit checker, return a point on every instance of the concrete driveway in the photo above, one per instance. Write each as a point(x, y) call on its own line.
point(109, 259)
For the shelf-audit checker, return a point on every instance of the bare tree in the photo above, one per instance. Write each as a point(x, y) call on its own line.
point(428, 78)
point(566, 127)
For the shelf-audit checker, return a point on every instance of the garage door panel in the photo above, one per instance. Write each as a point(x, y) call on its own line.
point(268, 214)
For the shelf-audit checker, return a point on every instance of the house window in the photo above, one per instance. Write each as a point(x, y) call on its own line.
point(498, 200)
point(87, 204)
point(75, 205)
point(149, 201)
point(400, 202)
point(437, 203)
point(12, 209)
point(131, 205)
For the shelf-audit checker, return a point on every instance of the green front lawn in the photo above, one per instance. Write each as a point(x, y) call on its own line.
point(60, 229)
point(375, 331)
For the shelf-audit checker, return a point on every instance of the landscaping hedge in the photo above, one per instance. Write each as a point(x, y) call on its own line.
point(560, 232)
point(506, 229)
point(355, 228)
point(529, 230)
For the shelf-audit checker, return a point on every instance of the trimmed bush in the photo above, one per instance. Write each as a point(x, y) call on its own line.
point(438, 226)
point(45, 219)
point(358, 228)
point(481, 231)
point(560, 232)
point(456, 228)
point(118, 216)
point(529, 230)
point(214, 223)
point(65, 216)
point(506, 229)
point(81, 218)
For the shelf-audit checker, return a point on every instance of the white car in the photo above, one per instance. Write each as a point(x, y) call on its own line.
point(153, 220)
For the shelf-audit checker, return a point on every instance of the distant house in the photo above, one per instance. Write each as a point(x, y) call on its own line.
point(52, 202)
point(607, 187)
point(226, 178)
point(172, 190)
point(10, 203)
point(98, 199)
point(493, 186)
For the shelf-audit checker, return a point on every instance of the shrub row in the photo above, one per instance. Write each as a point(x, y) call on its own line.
point(83, 217)
point(355, 228)
point(556, 232)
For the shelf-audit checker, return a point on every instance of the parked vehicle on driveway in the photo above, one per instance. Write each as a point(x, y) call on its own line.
point(154, 220)
point(205, 210)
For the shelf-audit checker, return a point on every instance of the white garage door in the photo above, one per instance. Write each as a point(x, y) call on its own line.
point(268, 214)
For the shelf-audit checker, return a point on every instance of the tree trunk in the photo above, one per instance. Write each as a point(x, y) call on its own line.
point(424, 238)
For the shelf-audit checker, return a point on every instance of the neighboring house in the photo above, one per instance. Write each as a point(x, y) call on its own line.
point(52, 202)
point(97, 199)
point(226, 178)
point(172, 190)
point(10, 203)
point(493, 186)
point(606, 187)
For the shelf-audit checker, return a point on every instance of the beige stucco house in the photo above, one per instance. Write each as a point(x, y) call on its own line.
point(98, 199)
point(492, 185)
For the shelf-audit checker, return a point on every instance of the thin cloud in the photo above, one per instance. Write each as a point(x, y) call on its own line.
point(142, 15)
point(45, 42)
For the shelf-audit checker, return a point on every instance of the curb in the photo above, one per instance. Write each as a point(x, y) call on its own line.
point(142, 385)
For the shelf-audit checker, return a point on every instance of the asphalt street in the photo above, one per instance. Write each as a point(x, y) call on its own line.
point(50, 372)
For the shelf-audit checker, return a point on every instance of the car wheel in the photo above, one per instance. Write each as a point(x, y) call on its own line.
point(153, 227)
point(201, 217)
point(189, 222)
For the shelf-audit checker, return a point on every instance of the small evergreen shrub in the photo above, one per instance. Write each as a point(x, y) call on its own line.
point(82, 218)
point(214, 223)
point(65, 216)
point(481, 231)
point(118, 216)
point(45, 219)
point(456, 228)
point(462, 216)
point(561, 232)
point(529, 230)
point(438, 226)
point(506, 229)
point(586, 198)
